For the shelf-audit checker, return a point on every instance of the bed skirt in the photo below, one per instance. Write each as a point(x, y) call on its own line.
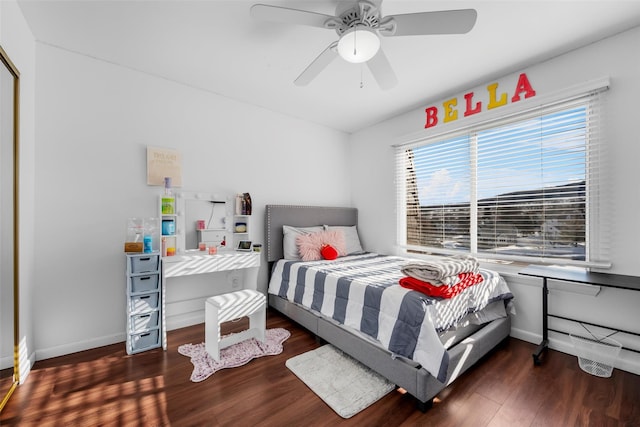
point(402, 372)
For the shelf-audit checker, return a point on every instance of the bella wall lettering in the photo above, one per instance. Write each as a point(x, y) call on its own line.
point(449, 110)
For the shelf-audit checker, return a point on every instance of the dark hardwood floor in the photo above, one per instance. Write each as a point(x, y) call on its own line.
point(105, 387)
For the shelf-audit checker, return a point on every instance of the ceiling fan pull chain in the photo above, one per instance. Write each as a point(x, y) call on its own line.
point(361, 83)
point(355, 42)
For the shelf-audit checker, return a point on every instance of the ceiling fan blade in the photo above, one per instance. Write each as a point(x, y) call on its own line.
point(426, 23)
point(318, 64)
point(289, 16)
point(381, 69)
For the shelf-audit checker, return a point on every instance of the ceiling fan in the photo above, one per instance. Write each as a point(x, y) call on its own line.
point(359, 25)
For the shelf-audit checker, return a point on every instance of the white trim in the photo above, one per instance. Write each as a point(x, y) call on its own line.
point(74, 347)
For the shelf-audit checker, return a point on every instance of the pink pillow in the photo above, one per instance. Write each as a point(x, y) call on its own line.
point(309, 245)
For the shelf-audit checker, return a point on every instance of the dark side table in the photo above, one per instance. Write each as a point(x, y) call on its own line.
point(604, 280)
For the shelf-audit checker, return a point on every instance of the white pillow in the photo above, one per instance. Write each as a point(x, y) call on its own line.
point(350, 237)
point(289, 246)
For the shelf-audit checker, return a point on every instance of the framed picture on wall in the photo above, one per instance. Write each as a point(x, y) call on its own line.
point(164, 163)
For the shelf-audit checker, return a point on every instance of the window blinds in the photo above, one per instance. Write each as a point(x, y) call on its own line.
point(527, 187)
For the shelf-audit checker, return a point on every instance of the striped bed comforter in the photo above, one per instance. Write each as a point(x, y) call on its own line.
point(362, 292)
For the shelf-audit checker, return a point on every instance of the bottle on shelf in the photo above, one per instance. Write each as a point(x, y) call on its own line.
point(147, 244)
point(168, 200)
point(150, 239)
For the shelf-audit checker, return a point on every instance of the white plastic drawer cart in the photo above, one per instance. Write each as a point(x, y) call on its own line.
point(144, 302)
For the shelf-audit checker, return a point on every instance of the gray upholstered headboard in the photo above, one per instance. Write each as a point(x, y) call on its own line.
point(301, 216)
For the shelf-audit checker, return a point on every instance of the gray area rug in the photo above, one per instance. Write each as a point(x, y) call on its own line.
point(340, 381)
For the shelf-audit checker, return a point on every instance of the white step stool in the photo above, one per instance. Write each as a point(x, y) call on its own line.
point(231, 306)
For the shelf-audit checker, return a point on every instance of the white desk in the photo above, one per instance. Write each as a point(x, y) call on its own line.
point(197, 262)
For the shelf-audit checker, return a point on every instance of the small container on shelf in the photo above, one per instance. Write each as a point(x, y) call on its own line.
point(169, 245)
point(147, 244)
point(168, 205)
point(168, 201)
point(135, 232)
point(151, 238)
point(168, 227)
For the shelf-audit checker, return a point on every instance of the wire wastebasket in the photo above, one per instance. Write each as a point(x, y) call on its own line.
point(596, 355)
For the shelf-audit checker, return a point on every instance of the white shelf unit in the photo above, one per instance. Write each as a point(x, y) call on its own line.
point(238, 220)
point(180, 212)
point(144, 302)
point(168, 224)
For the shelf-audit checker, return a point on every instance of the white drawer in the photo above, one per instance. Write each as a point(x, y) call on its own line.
point(145, 341)
point(238, 261)
point(144, 303)
point(144, 321)
point(188, 265)
point(144, 263)
point(146, 283)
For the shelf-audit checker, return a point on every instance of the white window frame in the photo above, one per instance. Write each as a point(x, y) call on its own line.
point(596, 223)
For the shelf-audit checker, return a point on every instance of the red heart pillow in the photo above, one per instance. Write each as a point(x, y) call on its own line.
point(329, 252)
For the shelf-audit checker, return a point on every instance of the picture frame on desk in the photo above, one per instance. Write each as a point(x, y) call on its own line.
point(244, 246)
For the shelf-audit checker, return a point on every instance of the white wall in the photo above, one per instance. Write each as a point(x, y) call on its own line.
point(373, 166)
point(94, 121)
point(83, 141)
point(17, 40)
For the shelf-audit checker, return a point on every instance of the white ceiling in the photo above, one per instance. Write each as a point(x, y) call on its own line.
point(216, 46)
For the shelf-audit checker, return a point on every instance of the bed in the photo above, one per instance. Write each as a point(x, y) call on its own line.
point(432, 365)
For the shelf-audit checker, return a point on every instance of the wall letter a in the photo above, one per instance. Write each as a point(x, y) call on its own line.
point(523, 86)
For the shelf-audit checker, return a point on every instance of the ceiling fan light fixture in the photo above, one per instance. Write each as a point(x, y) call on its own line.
point(358, 44)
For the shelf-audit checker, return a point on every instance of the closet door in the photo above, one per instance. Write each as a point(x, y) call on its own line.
point(9, 331)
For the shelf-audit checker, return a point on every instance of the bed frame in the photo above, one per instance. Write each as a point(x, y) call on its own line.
point(404, 373)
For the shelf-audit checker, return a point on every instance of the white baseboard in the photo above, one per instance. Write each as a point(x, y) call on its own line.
point(25, 367)
point(61, 350)
point(173, 322)
point(628, 361)
point(527, 336)
point(184, 320)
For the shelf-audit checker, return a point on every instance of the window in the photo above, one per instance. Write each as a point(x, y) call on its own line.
point(523, 188)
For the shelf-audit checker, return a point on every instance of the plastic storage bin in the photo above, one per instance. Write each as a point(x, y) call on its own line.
point(144, 264)
point(145, 341)
point(143, 322)
point(143, 303)
point(145, 283)
point(596, 355)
